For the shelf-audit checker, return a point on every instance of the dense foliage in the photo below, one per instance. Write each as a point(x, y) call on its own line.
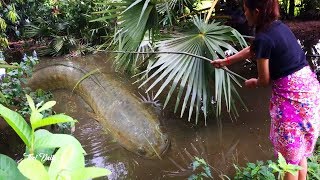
point(54, 27)
point(13, 86)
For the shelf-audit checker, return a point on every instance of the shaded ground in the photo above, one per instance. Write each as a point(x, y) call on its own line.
point(307, 30)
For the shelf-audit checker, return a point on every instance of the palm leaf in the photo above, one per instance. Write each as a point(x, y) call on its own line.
point(31, 30)
point(135, 21)
point(58, 43)
point(85, 77)
point(192, 74)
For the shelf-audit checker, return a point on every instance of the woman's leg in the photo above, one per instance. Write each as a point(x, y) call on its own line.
point(302, 174)
point(289, 176)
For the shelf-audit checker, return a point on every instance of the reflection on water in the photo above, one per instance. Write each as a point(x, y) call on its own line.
point(243, 140)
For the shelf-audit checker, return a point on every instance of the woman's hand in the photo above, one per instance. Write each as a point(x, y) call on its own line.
point(251, 83)
point(219, 63)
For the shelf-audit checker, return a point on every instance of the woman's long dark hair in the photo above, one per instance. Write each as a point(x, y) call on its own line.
point(268, 12)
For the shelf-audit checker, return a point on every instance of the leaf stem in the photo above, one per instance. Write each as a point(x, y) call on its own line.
point(184, 53)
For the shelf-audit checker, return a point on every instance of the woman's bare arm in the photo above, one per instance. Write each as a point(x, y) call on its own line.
point(240, 56)
point(263, 72)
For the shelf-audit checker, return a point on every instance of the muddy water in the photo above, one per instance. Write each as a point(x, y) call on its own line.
point(232, 142)
point(235, 142)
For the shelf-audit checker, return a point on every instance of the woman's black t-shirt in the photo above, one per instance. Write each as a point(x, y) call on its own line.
point(278, 44)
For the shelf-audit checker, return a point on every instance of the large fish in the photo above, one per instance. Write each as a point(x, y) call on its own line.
point(127, 119)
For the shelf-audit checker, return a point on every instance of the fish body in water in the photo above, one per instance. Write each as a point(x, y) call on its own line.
point(133, 126)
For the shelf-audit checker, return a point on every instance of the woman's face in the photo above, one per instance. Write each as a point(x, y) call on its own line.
point(250, 16)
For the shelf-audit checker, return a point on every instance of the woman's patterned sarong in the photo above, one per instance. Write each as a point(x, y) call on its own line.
point(295, 115)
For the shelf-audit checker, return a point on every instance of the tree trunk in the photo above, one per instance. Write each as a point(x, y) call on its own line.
point(214, 2)
point(291, 8)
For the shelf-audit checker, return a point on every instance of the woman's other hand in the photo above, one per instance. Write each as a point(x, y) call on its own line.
point(219, 63)
point(251, 83)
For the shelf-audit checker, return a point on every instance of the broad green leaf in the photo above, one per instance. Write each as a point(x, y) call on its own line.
point(33, 169)
point(90, 173)
point(8, 168)
point(43, 155)
point(255, 171)
point(45, 139)
point(31, 103)
point(54, 119)
point(145, 5)
point(18, 124)
point(275, 167)
point(47, 106)
point(67, 159)
point(35, 117)
point(282, 162)
point(133, 4)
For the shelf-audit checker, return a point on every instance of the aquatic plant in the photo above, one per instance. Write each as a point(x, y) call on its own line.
point(258, 170)
point(67, 162)
point(200, 169)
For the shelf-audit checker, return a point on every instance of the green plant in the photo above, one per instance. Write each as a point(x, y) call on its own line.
point(314, 167)
point(8, 21)
point(200, 170)
point(259, 171)
point(138, 25)
point(13, 86)
point(282, 167)
point(64, 26)
point(67, 162)
point(191, 75)
point(8, 168)
point(266, 171)
point(314, 163)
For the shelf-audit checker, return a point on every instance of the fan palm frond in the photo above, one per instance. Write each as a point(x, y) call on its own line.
point(134, 19)
point(57, 43)
point(133, 25)
point(31, 30)
point(191, 74)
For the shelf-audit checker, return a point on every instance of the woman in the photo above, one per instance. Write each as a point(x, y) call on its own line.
point(294, 104)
